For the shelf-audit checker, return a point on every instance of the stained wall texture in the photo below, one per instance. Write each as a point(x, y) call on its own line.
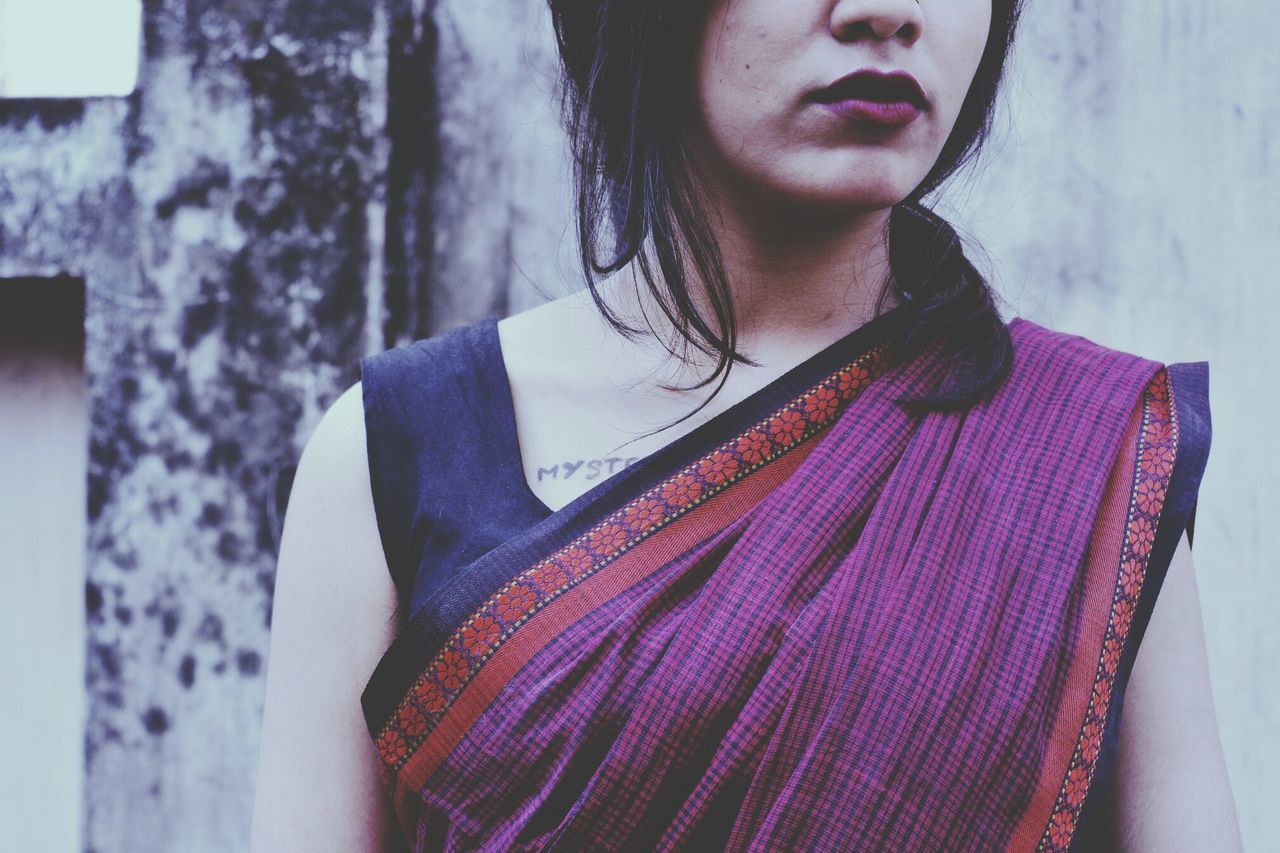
point(225, 219)
point(294, 185)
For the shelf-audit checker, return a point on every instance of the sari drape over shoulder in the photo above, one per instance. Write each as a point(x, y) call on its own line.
point(817, 622)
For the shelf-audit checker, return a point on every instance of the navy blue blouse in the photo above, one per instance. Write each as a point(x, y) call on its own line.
point(444, 460)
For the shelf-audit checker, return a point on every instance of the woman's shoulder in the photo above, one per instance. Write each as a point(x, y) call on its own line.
point(453, 352)
point(1039, 350)
point(1035, 340)
point(409, 366)
point(330, 534)
point(1170, 399)
point(334, 459)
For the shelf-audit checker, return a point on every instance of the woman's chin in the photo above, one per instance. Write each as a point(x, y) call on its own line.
point(827, 191)
point(849, 197)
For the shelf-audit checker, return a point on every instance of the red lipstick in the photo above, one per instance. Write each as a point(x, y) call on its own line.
point(878, 98)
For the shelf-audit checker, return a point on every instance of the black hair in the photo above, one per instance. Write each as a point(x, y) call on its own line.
point(621, 60)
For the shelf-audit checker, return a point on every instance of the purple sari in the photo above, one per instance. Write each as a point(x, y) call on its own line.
point(815, 622)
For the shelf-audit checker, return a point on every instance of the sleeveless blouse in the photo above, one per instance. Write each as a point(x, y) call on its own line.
point(444, 459)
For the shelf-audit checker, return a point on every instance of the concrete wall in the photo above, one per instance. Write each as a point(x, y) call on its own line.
point(228, 220)
point(504, 236)
point(294, 185)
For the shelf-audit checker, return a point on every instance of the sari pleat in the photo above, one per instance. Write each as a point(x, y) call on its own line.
point(691, 709)
point(935, 628)
point(843, 628)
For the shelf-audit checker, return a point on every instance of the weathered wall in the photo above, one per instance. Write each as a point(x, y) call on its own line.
point(225, 219)
point(504, 238)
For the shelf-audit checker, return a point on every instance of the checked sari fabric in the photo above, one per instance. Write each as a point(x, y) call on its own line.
point(816, 623)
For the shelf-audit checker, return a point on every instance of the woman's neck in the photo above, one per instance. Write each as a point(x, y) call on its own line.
point(795, 285)
point(797, 275)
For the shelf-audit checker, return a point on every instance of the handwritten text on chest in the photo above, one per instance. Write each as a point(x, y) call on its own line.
point(589, 468)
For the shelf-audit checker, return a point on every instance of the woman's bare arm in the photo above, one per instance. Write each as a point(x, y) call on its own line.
point(1172, 788)
point(334, 615)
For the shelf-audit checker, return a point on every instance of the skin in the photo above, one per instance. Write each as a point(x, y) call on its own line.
point(1172, 790)
point(799, 202)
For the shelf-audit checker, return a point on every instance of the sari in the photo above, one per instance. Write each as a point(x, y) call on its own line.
point(815, 622)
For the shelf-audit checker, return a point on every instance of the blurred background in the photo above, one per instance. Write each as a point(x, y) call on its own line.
point(211, 209)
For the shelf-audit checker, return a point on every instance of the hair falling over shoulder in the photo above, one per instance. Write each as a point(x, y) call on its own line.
point(620, 62)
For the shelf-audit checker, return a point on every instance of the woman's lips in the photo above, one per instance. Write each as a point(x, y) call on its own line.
point(881, 113)
point(870, 95)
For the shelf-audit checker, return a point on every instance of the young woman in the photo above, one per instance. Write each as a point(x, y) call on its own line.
point(883, 588)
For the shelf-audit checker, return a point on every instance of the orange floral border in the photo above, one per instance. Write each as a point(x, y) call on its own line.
point(427, 702)
point(1157, 448)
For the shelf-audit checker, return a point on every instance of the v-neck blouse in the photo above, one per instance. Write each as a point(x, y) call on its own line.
point(444, 457)
point(444, 462)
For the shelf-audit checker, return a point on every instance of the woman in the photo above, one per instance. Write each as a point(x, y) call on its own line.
point(883, 589)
